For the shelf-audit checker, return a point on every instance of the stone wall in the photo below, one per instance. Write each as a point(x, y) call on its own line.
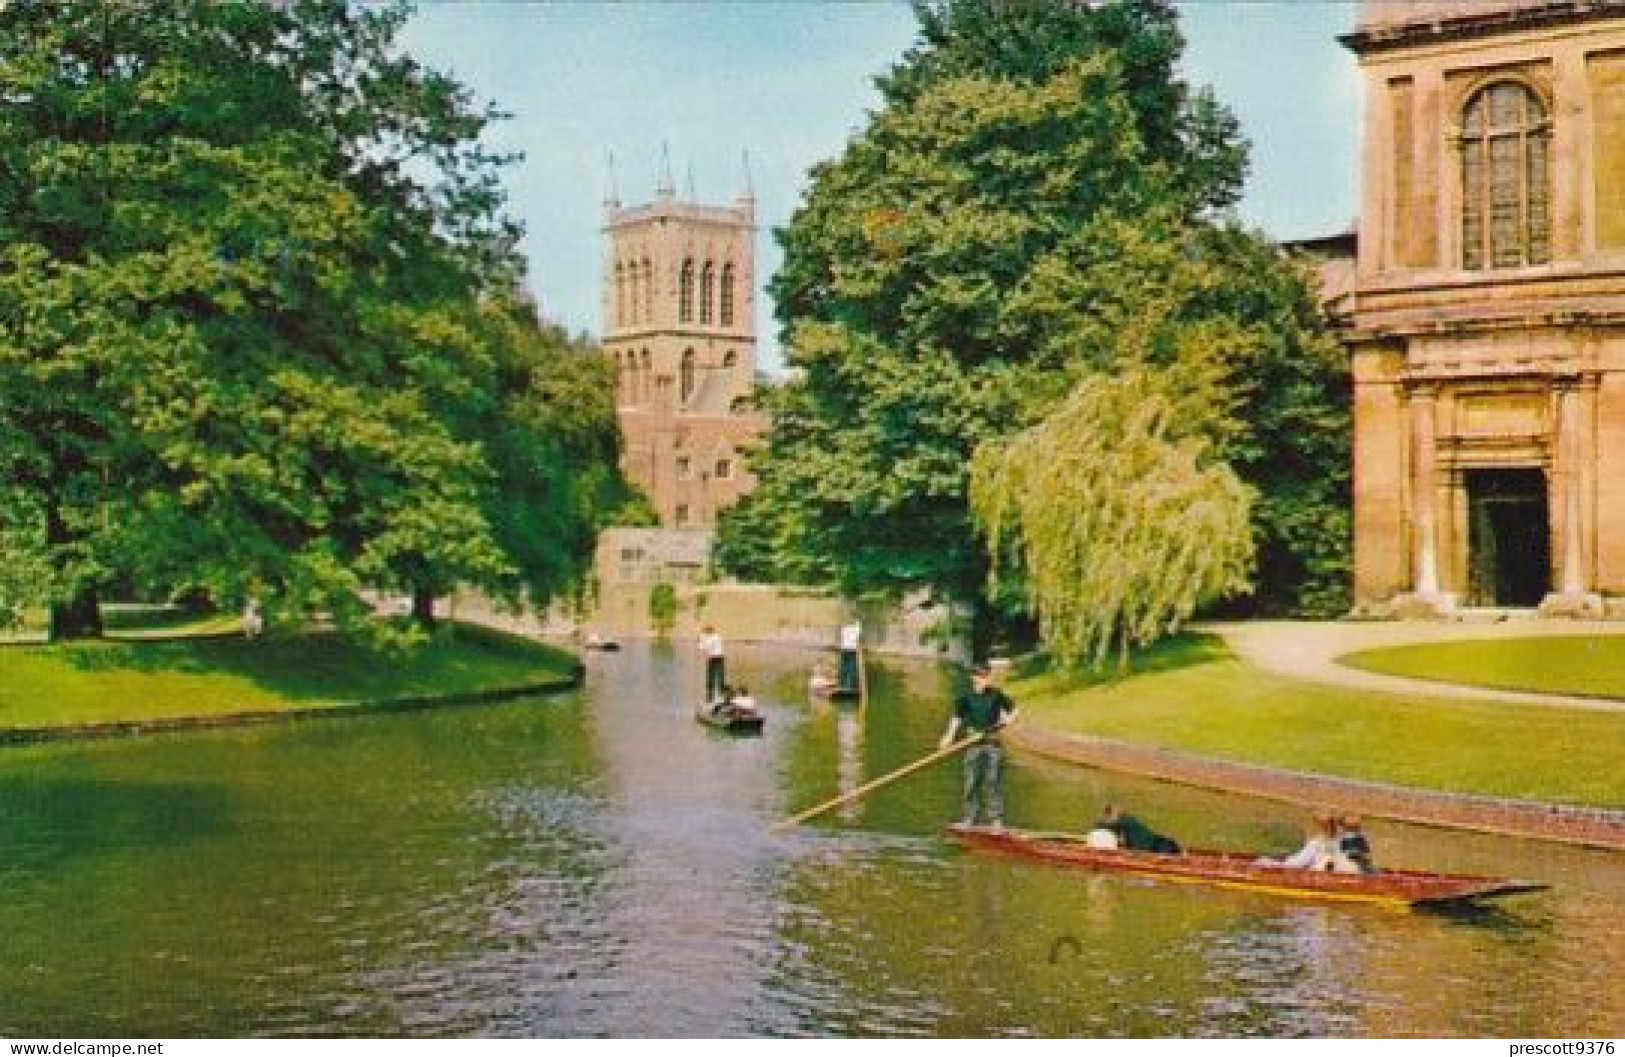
point(741, 613)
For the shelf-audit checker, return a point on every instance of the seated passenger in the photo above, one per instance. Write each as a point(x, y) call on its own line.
point(1100, 837)
point(821, 680)
point(1353, 845)
point(1134, 834)
point(1320, 850)
point(741, 702)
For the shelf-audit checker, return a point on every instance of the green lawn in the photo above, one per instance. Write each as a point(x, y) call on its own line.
point(104, 681)
point(132, 621)
point(1590, 665)
point(1193, 695)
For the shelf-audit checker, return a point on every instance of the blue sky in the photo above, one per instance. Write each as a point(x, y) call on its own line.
point(788, 81)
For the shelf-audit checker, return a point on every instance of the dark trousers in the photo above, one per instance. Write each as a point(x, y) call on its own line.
point(847, 676)
point(984, 781)
point(713, 678)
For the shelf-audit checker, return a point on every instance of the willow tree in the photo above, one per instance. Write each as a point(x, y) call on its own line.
point(1117, 515)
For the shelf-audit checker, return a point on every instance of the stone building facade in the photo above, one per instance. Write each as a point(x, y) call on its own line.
point(679, 323)
point(1487, 323)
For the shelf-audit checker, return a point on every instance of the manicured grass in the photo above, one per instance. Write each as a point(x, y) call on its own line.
point(107, 681)
point(1203, 700)
point(133, 621)
point(1588, 665)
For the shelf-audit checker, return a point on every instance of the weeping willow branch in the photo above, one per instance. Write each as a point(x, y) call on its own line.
point(1121, 523)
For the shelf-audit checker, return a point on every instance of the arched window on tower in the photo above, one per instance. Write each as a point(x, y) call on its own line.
point(685, 293)
point(725, 314)
point(685, 376)
point(708, 291)
point(648, 314)
point(645, 379)
point(1505, 178)
point(620, 379)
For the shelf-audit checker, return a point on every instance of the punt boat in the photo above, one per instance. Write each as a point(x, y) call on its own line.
point(731, 720)
point(1396, 889)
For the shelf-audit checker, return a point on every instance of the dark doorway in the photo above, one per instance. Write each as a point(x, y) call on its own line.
point(1509, 551)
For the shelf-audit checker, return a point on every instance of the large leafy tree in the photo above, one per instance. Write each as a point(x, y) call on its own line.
point(248, 259)
point(1038, 188)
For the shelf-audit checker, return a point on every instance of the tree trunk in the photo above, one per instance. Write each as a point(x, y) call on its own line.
point(423, 606)
point(79, 617)
point(982, 620)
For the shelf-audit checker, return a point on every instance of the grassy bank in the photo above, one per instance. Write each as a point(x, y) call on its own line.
point(1588, 665)
point(1192, 694)
point(112, 681)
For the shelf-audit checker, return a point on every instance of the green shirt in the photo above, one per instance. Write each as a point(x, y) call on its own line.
point(981, 712)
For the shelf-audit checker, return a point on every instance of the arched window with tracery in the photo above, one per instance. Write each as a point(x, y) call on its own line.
point(725, 313)
point(1505, 178)
point(648, 291)
point(645, 377)
point(620, 296)
point(685, 293)
point(708, 291)
point(685, 376)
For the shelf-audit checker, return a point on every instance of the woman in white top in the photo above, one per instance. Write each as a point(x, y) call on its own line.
point(1320, 851)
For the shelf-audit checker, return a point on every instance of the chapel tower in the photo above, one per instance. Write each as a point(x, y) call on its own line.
point(679, 316)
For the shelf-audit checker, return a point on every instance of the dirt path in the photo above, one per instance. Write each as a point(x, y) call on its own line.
point(1309, 651)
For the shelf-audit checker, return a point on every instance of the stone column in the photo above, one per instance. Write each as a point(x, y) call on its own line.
point(1424, 492)
point(1570, 598)
point(1424, 598)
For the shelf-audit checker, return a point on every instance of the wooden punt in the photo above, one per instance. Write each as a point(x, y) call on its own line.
point(730, 720)
point(1397, 889)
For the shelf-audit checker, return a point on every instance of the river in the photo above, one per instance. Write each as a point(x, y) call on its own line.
point(598, 864)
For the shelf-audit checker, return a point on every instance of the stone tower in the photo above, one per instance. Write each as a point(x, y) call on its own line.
point(1487, 328)
point(679, 323)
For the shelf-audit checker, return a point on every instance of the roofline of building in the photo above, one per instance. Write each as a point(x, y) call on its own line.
point(1377, 39)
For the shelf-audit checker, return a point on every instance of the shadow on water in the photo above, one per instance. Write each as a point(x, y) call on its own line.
point(1492, 917)
point(48, 821)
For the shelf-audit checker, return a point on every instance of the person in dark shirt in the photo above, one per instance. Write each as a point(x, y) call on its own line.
point(983, 710)
point(1134, 834)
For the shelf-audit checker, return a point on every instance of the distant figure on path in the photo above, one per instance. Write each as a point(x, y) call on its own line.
point(851, 639)
point(983, 709)
point(253, 619)
point(711, 647)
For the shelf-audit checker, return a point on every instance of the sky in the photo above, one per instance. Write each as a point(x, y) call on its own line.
point(713, 82)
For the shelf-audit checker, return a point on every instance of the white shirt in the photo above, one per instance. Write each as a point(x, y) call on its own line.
point(850, 635)
point(711, 645)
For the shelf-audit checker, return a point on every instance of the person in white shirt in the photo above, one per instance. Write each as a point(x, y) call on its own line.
point(851, 638)
point(711, 647)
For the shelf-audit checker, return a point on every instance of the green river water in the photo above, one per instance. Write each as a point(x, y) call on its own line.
point(599, 864)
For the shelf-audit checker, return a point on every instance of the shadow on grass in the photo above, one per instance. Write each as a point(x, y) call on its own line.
point(328, 665)
point(1187, 649)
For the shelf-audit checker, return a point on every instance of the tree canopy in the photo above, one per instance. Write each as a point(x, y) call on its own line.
point(1039, 200)
point(258, 301)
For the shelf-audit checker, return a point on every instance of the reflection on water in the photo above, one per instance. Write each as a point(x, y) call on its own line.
point(600, 864)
